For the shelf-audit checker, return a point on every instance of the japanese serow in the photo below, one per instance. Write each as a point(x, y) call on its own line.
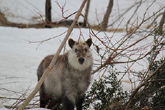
point(69, 77)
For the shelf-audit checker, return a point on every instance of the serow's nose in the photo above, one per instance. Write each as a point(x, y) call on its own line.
point(81, 60)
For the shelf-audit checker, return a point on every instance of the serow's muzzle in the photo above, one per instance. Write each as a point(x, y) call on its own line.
point(81, 60)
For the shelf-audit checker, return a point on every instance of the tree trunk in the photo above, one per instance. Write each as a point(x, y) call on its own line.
point(48, 14)
point(86, 13)
point(162, 21)
point(106, 16)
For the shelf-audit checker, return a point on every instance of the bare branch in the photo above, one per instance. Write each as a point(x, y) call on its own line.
point(40, 42)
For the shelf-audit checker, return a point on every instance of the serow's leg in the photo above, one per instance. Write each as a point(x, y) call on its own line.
point(68, 105)
point(43, 99)
point(54, 104)
point(79, 103)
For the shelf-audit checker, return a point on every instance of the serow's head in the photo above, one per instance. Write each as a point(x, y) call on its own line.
point(80, 56)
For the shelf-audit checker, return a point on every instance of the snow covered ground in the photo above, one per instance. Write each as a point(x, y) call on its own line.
point(20, 59)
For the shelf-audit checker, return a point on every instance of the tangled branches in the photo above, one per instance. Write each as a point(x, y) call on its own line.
point(132, 50)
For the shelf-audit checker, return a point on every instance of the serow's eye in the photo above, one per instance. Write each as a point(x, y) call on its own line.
point(76, 50)
point(86, 49)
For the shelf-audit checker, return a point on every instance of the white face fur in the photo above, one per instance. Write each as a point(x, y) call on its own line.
point(80, 56)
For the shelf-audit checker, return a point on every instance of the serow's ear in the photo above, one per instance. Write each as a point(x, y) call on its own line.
point(89, 42)
point(71, 42)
